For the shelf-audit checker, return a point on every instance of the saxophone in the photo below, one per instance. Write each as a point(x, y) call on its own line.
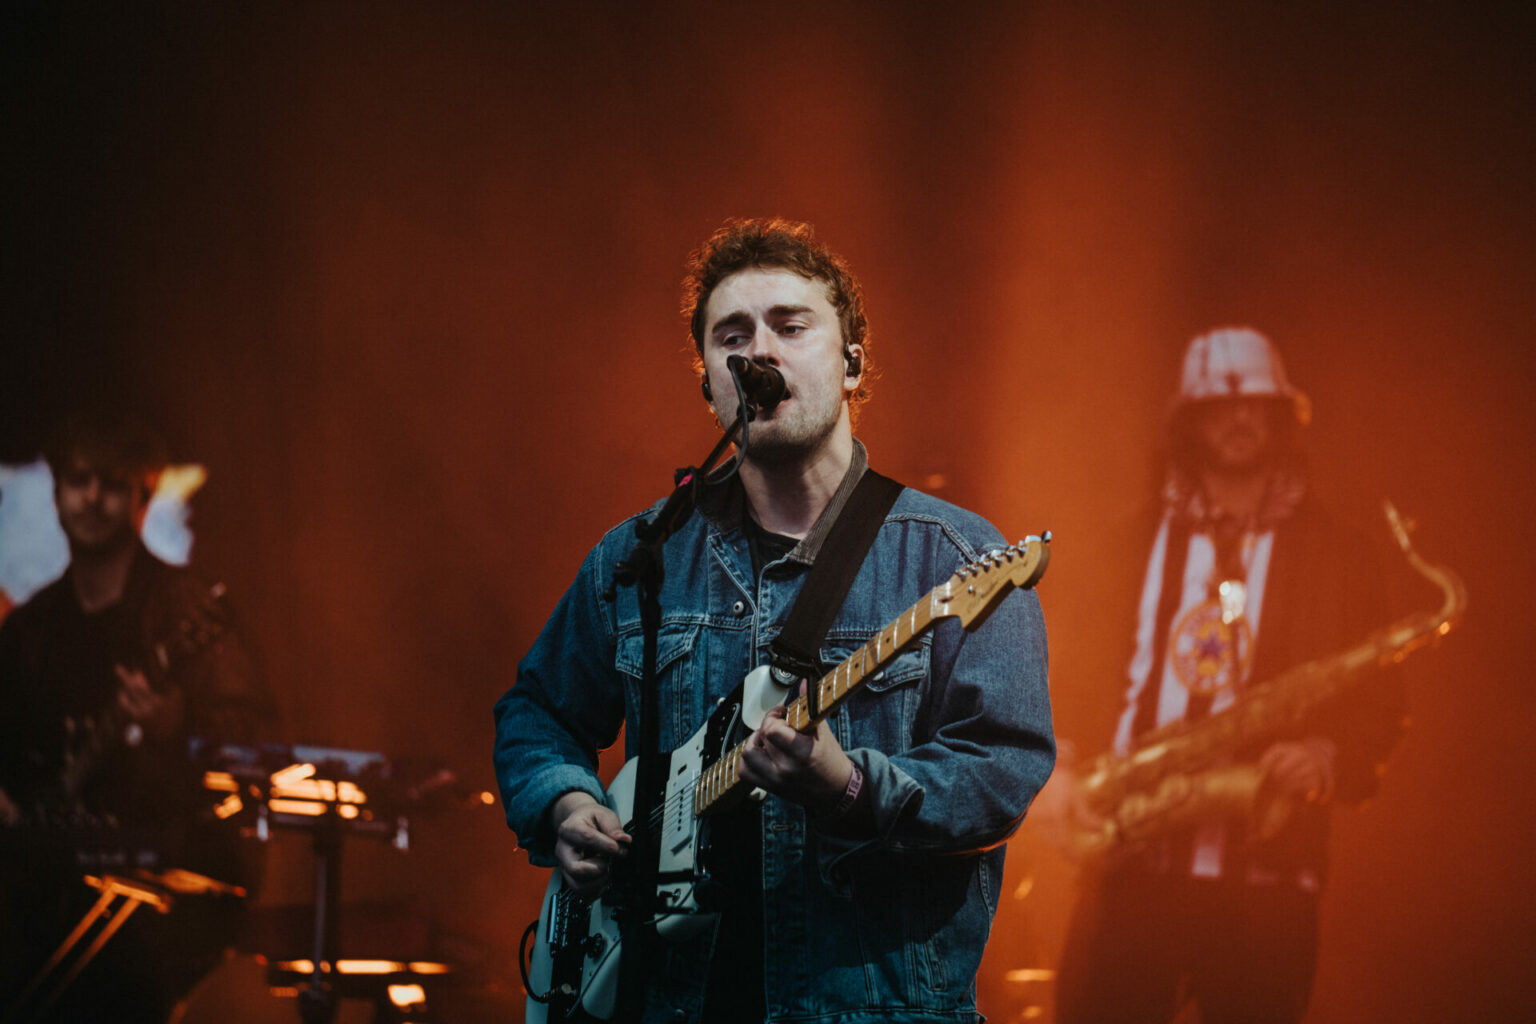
point(1171, 776)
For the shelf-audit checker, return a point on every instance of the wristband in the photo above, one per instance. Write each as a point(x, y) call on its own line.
point(850, 794)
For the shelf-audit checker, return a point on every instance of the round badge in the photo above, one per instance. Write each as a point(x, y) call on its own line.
point(1208, 652)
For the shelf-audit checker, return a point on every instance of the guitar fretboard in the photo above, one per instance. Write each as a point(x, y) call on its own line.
point(722, 780)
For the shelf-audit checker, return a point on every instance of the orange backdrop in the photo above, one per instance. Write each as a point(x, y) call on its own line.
point(406, 279)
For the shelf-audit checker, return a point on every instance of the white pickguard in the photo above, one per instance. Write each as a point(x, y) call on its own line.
point(760, 694)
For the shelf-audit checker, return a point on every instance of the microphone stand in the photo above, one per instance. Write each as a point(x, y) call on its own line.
point(644, 570)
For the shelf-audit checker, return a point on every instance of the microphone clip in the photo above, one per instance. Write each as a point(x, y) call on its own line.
point(760, 387)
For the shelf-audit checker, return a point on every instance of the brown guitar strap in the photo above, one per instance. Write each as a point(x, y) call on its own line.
point(795, 652)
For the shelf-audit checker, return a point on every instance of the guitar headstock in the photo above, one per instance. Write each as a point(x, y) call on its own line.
point(975, 589)
point(206, 620)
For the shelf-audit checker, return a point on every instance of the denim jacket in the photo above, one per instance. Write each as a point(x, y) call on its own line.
point(953, 737)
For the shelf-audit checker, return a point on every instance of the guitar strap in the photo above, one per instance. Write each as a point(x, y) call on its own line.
point(794, 653)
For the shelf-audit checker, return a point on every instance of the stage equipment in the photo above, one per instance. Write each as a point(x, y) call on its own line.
point(333, 793)
point(135, 888)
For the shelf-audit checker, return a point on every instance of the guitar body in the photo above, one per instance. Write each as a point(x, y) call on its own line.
point(575, 952)
point(575, 955)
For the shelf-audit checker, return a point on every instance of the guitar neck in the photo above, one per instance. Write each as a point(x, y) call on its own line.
point(721, 783)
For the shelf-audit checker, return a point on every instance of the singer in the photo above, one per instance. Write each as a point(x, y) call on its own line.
point(862, 888)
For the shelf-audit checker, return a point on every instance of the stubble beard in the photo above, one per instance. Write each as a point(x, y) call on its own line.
point(799, 435)
point(1252, 457)
point(91, 544)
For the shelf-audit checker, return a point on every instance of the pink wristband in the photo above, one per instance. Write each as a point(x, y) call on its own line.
point(855, 783)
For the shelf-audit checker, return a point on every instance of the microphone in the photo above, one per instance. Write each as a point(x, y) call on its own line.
point(763, 385)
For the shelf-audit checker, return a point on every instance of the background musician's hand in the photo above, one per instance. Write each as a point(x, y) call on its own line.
point(10, 814)
point(588, 836)
point(1061, 810)
point(158, 714)
point(1300, 768)
point(809, 769)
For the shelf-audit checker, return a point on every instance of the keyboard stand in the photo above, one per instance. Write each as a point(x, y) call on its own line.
point(157, 890)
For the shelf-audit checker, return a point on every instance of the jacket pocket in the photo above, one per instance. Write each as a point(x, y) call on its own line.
point(910, 666)
point(881, 713)
point(675, 664)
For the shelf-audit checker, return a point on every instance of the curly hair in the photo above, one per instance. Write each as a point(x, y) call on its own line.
point(743, 243)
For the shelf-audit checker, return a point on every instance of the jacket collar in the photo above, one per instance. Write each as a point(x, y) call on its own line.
point(725, 504)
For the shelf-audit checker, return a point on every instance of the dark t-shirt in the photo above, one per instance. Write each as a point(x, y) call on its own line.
point(735, 861)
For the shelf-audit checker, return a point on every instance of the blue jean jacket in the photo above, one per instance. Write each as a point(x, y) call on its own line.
point(953, 737)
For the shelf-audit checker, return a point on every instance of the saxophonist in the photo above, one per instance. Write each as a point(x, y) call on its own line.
point(1245, 575)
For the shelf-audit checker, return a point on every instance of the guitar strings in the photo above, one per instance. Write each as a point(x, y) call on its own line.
point(798, 711)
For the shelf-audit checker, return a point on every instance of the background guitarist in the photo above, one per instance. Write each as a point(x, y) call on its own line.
point(1245, 576)
point(863, 887)
point(104, 675)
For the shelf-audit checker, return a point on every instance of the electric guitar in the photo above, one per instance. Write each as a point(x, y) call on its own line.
point(573, 971)
point(93, 741)
point(61, 821)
